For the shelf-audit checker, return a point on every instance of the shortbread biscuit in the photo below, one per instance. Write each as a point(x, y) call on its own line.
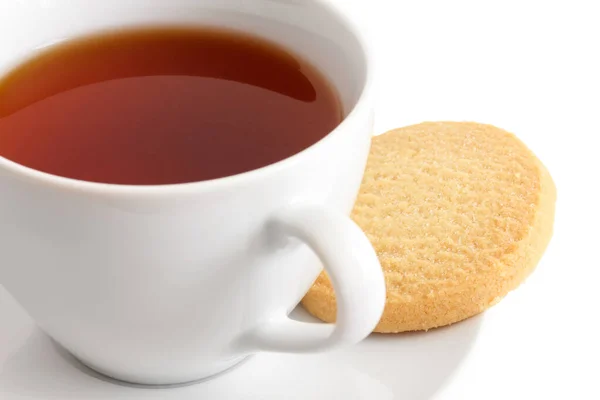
point(459, 213)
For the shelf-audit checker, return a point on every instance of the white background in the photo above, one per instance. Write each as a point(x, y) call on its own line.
point(530, 67)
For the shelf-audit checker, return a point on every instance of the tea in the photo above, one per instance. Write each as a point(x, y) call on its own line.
point(162, 106)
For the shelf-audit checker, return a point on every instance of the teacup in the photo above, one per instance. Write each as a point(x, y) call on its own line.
point(175, 283)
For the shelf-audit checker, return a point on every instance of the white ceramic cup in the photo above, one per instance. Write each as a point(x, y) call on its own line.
point(174, 283)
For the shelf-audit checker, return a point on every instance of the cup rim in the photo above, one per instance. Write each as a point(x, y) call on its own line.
point(72, 184)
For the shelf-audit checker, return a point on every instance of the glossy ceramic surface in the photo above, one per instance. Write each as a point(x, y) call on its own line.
point(167, 284)
point(412, 366)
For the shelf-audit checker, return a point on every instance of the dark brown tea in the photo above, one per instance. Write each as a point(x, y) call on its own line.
point(161, 106)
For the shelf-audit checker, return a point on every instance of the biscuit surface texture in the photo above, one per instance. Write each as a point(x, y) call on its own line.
point(459, 213)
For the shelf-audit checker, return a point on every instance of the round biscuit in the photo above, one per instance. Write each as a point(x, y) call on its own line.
point(459, 213)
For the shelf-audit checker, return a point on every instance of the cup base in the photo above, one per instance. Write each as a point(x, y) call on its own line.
point(106, 376)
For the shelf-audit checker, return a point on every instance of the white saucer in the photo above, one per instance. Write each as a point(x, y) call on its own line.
point(413, 366)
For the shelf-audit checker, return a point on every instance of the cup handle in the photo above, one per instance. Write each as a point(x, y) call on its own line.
point(355, 273)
